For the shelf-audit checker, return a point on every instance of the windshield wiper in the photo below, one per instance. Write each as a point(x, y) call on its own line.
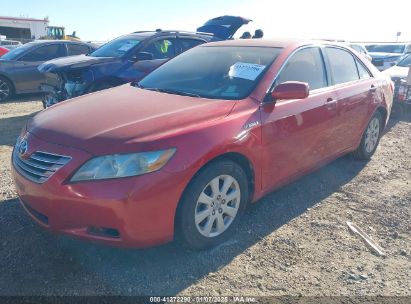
point(171, 91)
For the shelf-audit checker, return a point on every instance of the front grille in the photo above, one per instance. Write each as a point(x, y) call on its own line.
point(39, 166)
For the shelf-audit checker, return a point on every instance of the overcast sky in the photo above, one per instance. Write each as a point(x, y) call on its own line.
point(363, 20)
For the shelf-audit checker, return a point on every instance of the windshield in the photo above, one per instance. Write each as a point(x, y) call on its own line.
point(386, 48)
point(213, 72)
point(405, 62)
point(117, 47)
point(15, 53)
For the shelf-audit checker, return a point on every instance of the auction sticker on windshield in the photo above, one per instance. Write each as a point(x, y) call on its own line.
point(245, 70)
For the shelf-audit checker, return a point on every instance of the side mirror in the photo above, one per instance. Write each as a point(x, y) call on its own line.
point(142, 56)
point(290, 90)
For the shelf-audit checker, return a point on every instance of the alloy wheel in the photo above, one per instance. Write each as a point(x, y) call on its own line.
point(372, 134)
point(217, 205)
point(4, 90)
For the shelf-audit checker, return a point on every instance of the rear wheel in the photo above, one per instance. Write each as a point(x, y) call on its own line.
point(370, 138)
point(6, 89)
point(212, 205)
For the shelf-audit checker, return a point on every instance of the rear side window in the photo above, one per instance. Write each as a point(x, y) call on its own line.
point(77, 49)
point(162, 48)
point(306, 66)
point(44, 53)
point(187, 44)
point(362, 71)
point(343, 65)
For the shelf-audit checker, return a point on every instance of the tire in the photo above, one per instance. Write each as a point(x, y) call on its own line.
point(370, 138)
point(215, 222)
point(6, 89)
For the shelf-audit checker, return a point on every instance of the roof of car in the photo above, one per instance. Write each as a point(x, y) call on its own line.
point(54, 41)
point(277, 43)
point(168, 32)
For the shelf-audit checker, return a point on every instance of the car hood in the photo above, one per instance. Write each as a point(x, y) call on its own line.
point(223, 27)
point(397, 72)
point(121, 119)
point(379, 55)
point(72, 62)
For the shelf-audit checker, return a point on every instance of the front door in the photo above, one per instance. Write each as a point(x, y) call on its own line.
point(296, 133)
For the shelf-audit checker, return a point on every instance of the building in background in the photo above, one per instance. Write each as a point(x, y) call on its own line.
point(23, 29)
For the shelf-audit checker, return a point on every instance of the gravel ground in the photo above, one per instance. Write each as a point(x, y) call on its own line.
point(295, 241)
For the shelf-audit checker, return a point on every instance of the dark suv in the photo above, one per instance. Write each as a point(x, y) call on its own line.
point(126, 59)
point(18, 68)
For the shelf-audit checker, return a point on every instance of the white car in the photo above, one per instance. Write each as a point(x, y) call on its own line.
point(386, 55)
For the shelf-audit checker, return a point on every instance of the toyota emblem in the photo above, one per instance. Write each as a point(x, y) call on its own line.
point(23, 147)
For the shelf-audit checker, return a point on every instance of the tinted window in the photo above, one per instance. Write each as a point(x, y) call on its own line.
point(187, 44)
point(386, 48)
point(117, 47)
point(343, 66)
point(77, 49)
point(44, 53)
point(306, 66)
point(162, 49)
point(362, 71)
point(213, 72)
point(14, 54)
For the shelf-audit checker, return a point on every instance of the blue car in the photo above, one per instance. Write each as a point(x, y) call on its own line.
point(126, 59)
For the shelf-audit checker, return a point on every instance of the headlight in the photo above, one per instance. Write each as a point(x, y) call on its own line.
point(122, 165)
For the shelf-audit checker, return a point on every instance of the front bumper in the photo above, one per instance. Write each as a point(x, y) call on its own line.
point(128, 212)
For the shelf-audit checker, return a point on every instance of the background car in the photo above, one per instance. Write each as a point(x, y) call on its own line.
point(361, 50)
point(183, 151)
point(3, 51)
point(127, 58)
point(398, 74)
point(386, 55)
point(18, 68)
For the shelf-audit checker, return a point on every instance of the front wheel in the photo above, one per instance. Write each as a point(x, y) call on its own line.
point(6, 89)
point(212, 205)
point(370, 138)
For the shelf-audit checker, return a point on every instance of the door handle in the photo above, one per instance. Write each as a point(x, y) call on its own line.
point(330, 104)
point(373, 89)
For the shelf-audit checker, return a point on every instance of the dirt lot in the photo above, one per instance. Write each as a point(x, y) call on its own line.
point(293, 242)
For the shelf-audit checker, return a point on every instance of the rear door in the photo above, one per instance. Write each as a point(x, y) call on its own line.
point(25, 74)
point(356, 90)
point(296, 133)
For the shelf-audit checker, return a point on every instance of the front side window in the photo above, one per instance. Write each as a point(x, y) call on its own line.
point(161, 49)
point(305, 66)
point(43, 53)
point(343, 66)
point(214, 72)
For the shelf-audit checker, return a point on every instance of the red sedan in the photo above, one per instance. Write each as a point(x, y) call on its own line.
point(187, 148)
point(3, 51)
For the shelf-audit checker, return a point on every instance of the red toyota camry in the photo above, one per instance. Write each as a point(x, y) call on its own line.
point(187, 148)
